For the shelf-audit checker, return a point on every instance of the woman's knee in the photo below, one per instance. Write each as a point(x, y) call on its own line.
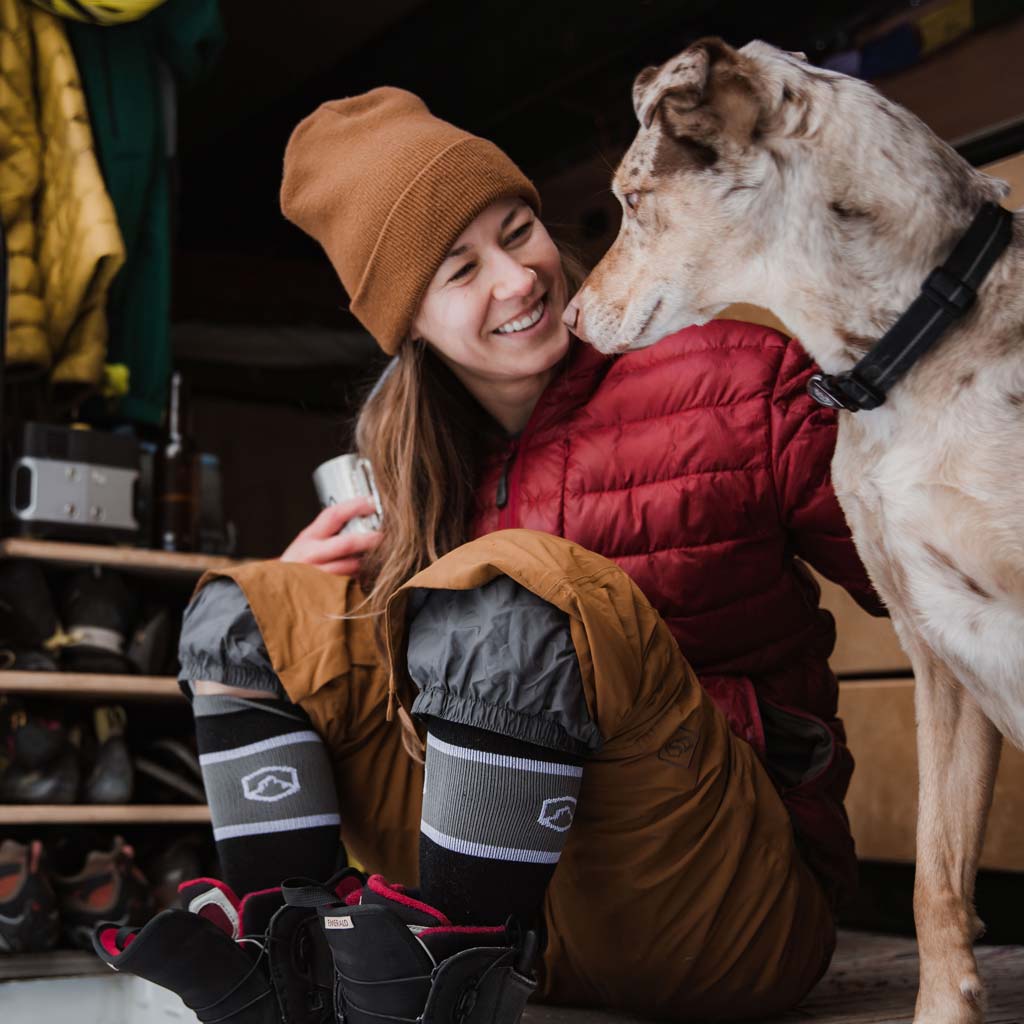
point(221, 649)
point(502, 659)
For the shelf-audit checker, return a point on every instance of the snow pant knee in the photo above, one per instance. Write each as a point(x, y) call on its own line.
point(499, 658)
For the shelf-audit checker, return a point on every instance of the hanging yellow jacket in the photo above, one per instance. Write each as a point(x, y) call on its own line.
point(63, 241)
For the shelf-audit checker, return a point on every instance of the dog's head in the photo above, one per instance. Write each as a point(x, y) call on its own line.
point(689, 176)
point(751, 171)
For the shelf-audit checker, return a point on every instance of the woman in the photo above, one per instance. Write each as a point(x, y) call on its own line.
point(540, 672)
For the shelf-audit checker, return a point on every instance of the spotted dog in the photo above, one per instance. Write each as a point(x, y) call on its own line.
point(757, 178)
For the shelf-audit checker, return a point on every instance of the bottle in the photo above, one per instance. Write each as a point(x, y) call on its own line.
point(176, 503)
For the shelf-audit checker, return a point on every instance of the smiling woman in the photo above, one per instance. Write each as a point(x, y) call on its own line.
point(559, 529)
point(493, 311)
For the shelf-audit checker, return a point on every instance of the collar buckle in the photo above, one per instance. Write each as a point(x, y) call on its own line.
point(826, 390)
point(844, 391)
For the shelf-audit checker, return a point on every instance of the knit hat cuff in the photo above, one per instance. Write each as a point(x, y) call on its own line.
point(435, 208)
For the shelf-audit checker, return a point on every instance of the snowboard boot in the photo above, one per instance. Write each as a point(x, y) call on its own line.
point(217, 978)
point(98, 885)
point(300, 960)
point(397, 960)
point(29, 922)
point(261, 961)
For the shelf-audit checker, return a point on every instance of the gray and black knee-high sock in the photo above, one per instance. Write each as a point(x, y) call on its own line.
point(496, 815)
point(271, 791)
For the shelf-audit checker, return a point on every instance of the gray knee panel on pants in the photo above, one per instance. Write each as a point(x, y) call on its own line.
point(221, 642)
point(500, 658)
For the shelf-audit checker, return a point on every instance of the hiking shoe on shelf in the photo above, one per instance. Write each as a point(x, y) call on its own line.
point(27, 616)
point(29, 922)
point(98, 885)
point(56, 782)
point(99, 613)
point(112, 777)
point(32, 739)
point(168, 771)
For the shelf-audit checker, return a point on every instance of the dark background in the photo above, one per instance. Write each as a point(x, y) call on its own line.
point(547, 81)
point(276, 365)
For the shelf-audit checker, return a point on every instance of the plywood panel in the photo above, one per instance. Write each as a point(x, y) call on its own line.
point(865, 645)
point(1011, 170)
point(882, 802)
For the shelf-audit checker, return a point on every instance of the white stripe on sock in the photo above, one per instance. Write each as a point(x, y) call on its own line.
point(255, 828)
point(504, 760)
point(287, 740)
point(492, 852)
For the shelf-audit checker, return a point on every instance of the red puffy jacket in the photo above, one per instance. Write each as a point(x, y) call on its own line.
point(701, 467)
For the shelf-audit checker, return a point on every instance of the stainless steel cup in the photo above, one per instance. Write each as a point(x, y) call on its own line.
point(345, 477)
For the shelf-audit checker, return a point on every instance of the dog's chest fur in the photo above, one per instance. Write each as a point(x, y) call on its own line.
point(932, 485)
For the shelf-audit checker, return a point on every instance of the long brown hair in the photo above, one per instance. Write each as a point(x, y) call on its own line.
point(425, 436)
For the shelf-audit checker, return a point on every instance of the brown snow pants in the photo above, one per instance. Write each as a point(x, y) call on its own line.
point(680, 893)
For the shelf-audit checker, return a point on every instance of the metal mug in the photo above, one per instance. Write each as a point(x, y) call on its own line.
point(343, 478)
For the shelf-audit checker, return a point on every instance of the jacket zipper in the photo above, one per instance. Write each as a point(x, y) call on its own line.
point(502, 496)
point(507, 495)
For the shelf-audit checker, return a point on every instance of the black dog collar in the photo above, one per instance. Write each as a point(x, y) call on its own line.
point(946, 295)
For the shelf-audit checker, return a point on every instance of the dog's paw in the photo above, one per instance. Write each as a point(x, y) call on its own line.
point(964, 1004)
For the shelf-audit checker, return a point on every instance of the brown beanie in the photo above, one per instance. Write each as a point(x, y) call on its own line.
point(386, 188)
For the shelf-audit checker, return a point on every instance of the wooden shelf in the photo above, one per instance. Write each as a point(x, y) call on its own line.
point(104, 814)
point(86, 685)
point(138, 560)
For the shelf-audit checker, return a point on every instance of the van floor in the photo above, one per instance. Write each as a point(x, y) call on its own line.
point(872, 980)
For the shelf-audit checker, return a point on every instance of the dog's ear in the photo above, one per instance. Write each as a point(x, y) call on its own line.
point(705, 93)
point(685, 78)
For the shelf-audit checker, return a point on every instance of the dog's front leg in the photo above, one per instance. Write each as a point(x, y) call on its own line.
point(958, 754)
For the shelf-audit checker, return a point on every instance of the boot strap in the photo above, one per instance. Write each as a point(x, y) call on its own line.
point(304, 892)
point(475, 987)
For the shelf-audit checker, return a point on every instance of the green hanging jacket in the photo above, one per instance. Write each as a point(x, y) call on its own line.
point(120, 67)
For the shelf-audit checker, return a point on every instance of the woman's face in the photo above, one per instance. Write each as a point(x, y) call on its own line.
point(493, 311)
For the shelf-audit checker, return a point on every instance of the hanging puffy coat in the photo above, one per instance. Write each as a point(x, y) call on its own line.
point(701, 467)
point(62, 236)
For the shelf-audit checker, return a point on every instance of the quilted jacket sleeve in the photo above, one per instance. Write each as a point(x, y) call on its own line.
point(20, 172)
point(803, 438)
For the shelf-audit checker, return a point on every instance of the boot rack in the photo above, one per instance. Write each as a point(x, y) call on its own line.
point(74, 685)
point(171, 567)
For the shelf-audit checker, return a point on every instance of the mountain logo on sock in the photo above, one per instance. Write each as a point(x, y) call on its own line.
point(557, 813)
point(271, 783)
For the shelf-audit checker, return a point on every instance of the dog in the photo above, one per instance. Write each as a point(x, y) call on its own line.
point(755, 177)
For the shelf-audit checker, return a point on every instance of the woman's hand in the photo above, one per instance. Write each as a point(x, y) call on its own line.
point(321, 545)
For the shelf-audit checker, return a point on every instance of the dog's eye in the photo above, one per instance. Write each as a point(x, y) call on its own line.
point(632, 200)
